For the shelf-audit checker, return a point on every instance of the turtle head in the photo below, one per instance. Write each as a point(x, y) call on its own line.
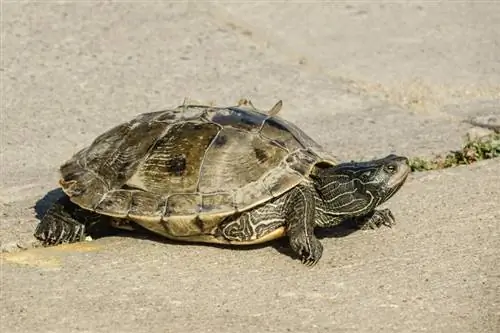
point(356, 188)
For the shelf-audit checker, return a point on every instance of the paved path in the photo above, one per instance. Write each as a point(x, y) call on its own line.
point(364, 80)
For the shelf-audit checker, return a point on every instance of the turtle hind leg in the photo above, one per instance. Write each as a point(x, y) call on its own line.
point(66, 222)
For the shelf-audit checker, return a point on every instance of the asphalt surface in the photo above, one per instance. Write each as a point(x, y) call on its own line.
point(364, 80)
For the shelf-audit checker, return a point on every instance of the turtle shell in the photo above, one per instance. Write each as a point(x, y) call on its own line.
point(179, 172)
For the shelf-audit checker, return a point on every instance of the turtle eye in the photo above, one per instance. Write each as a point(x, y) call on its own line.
point(391, 168)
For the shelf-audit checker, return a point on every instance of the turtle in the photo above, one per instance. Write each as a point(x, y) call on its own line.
point(231, 175)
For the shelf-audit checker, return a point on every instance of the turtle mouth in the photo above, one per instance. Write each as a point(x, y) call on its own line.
point(397, 182)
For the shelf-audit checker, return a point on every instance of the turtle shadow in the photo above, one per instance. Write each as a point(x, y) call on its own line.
point(43, 204)
point(281, 245)
point(342, 230)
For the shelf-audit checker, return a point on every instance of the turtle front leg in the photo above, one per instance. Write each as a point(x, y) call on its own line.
point(65, 222)
point(300, 214)
point(375, 220)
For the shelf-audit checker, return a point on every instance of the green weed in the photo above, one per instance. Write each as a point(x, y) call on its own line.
point(472, 151)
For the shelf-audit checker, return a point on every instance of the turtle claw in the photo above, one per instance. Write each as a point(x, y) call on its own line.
point(309, 262)
point(383, 217)
point(309, 251)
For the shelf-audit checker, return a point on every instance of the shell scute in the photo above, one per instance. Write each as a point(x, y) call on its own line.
point(217, 203)
point(173, 163)
point(147, 204)
point(183, 204)
point(242, 159)
point(115, 203)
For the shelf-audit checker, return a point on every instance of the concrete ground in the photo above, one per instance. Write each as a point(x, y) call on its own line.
point(363, 79)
